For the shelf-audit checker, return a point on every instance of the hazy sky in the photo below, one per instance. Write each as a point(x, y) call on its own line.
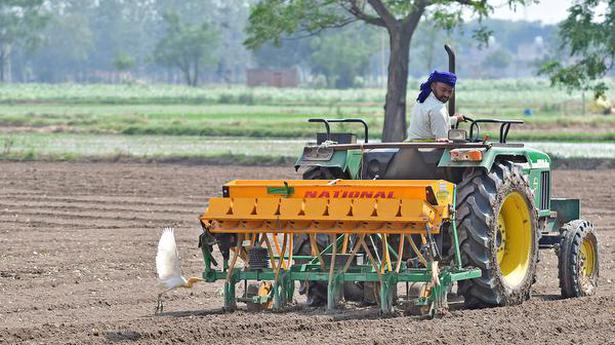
point(547, 11)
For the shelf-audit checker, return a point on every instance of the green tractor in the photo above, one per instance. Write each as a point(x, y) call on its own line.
point(505, 211)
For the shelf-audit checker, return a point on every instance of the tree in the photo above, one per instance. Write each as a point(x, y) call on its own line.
point(229, 18)
point(498, 59)
point(343, 56)
point(65, 47)
point(275, 19)
point(588, 37)
point(123, 62)
point(20, 21)
point(187, 47)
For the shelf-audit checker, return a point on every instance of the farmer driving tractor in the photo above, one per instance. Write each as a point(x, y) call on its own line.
point(429, 119)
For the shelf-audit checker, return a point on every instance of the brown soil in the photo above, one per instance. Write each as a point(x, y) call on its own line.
point(77, 248)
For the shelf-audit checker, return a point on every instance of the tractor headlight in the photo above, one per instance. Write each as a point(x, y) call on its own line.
point(475, 155)
point(457, 135)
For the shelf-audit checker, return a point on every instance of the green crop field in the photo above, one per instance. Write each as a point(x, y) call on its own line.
point(269, 112)
point(68, 120)
point(69, 146)
point(518, 92)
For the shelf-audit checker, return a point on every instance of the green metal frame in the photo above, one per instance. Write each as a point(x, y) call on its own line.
point(535, 159)
point(563, 211)
point(283, 287)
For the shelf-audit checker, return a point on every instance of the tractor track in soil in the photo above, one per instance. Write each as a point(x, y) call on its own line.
point(78, 242)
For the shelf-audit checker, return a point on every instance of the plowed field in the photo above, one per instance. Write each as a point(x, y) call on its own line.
point(77, 248)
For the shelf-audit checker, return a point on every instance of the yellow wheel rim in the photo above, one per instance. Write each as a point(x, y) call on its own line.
point(588, 258)
point(501, 238)
point(514, 239)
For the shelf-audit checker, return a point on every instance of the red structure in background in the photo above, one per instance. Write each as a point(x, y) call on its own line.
point(272, 77)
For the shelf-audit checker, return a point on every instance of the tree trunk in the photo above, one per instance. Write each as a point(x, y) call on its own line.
point(195, 76)
point(394, 128)
point(1, 66)
point(5, 63)
point(186, 72)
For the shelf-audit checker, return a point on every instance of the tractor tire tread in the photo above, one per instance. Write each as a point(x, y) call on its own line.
point(479, 197)
point(572, 235)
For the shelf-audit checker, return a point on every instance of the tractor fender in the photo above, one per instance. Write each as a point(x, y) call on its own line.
point(534, 158)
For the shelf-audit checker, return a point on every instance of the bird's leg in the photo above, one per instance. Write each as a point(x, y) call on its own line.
point(159, 305)
point(188, 284)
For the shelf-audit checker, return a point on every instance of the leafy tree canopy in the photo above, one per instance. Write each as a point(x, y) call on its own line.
point(273, 20)
point(344, 56)
point(588, 36)
point(20, 22)
point(123, 62)
point(187, 46)
point(498, 59)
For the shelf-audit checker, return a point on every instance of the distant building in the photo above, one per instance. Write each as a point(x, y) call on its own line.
point(272, 77)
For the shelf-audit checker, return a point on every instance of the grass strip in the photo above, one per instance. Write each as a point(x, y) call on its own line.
point(216, 159)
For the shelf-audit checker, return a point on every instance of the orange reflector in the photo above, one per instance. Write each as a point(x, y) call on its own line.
point(467, 154)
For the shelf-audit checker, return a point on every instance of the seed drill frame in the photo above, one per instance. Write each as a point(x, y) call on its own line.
point(258, 213)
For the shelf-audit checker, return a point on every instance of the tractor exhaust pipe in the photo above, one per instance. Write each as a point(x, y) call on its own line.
point(451, 68)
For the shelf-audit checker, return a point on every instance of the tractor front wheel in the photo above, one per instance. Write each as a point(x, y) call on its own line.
point(578, 259)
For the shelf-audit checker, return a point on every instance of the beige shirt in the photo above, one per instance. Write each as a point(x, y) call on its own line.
point(429, 120)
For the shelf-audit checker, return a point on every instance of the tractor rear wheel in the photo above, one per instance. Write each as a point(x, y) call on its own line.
point(578, 268)
point(498, 233)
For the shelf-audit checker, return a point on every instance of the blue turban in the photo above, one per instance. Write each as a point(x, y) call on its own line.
point(442, 77)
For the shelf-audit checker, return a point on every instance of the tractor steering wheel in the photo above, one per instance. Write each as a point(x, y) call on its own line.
point(474, 133)
point(466, 118)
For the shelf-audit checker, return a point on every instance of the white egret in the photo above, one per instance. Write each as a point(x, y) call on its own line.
point(168, 267)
